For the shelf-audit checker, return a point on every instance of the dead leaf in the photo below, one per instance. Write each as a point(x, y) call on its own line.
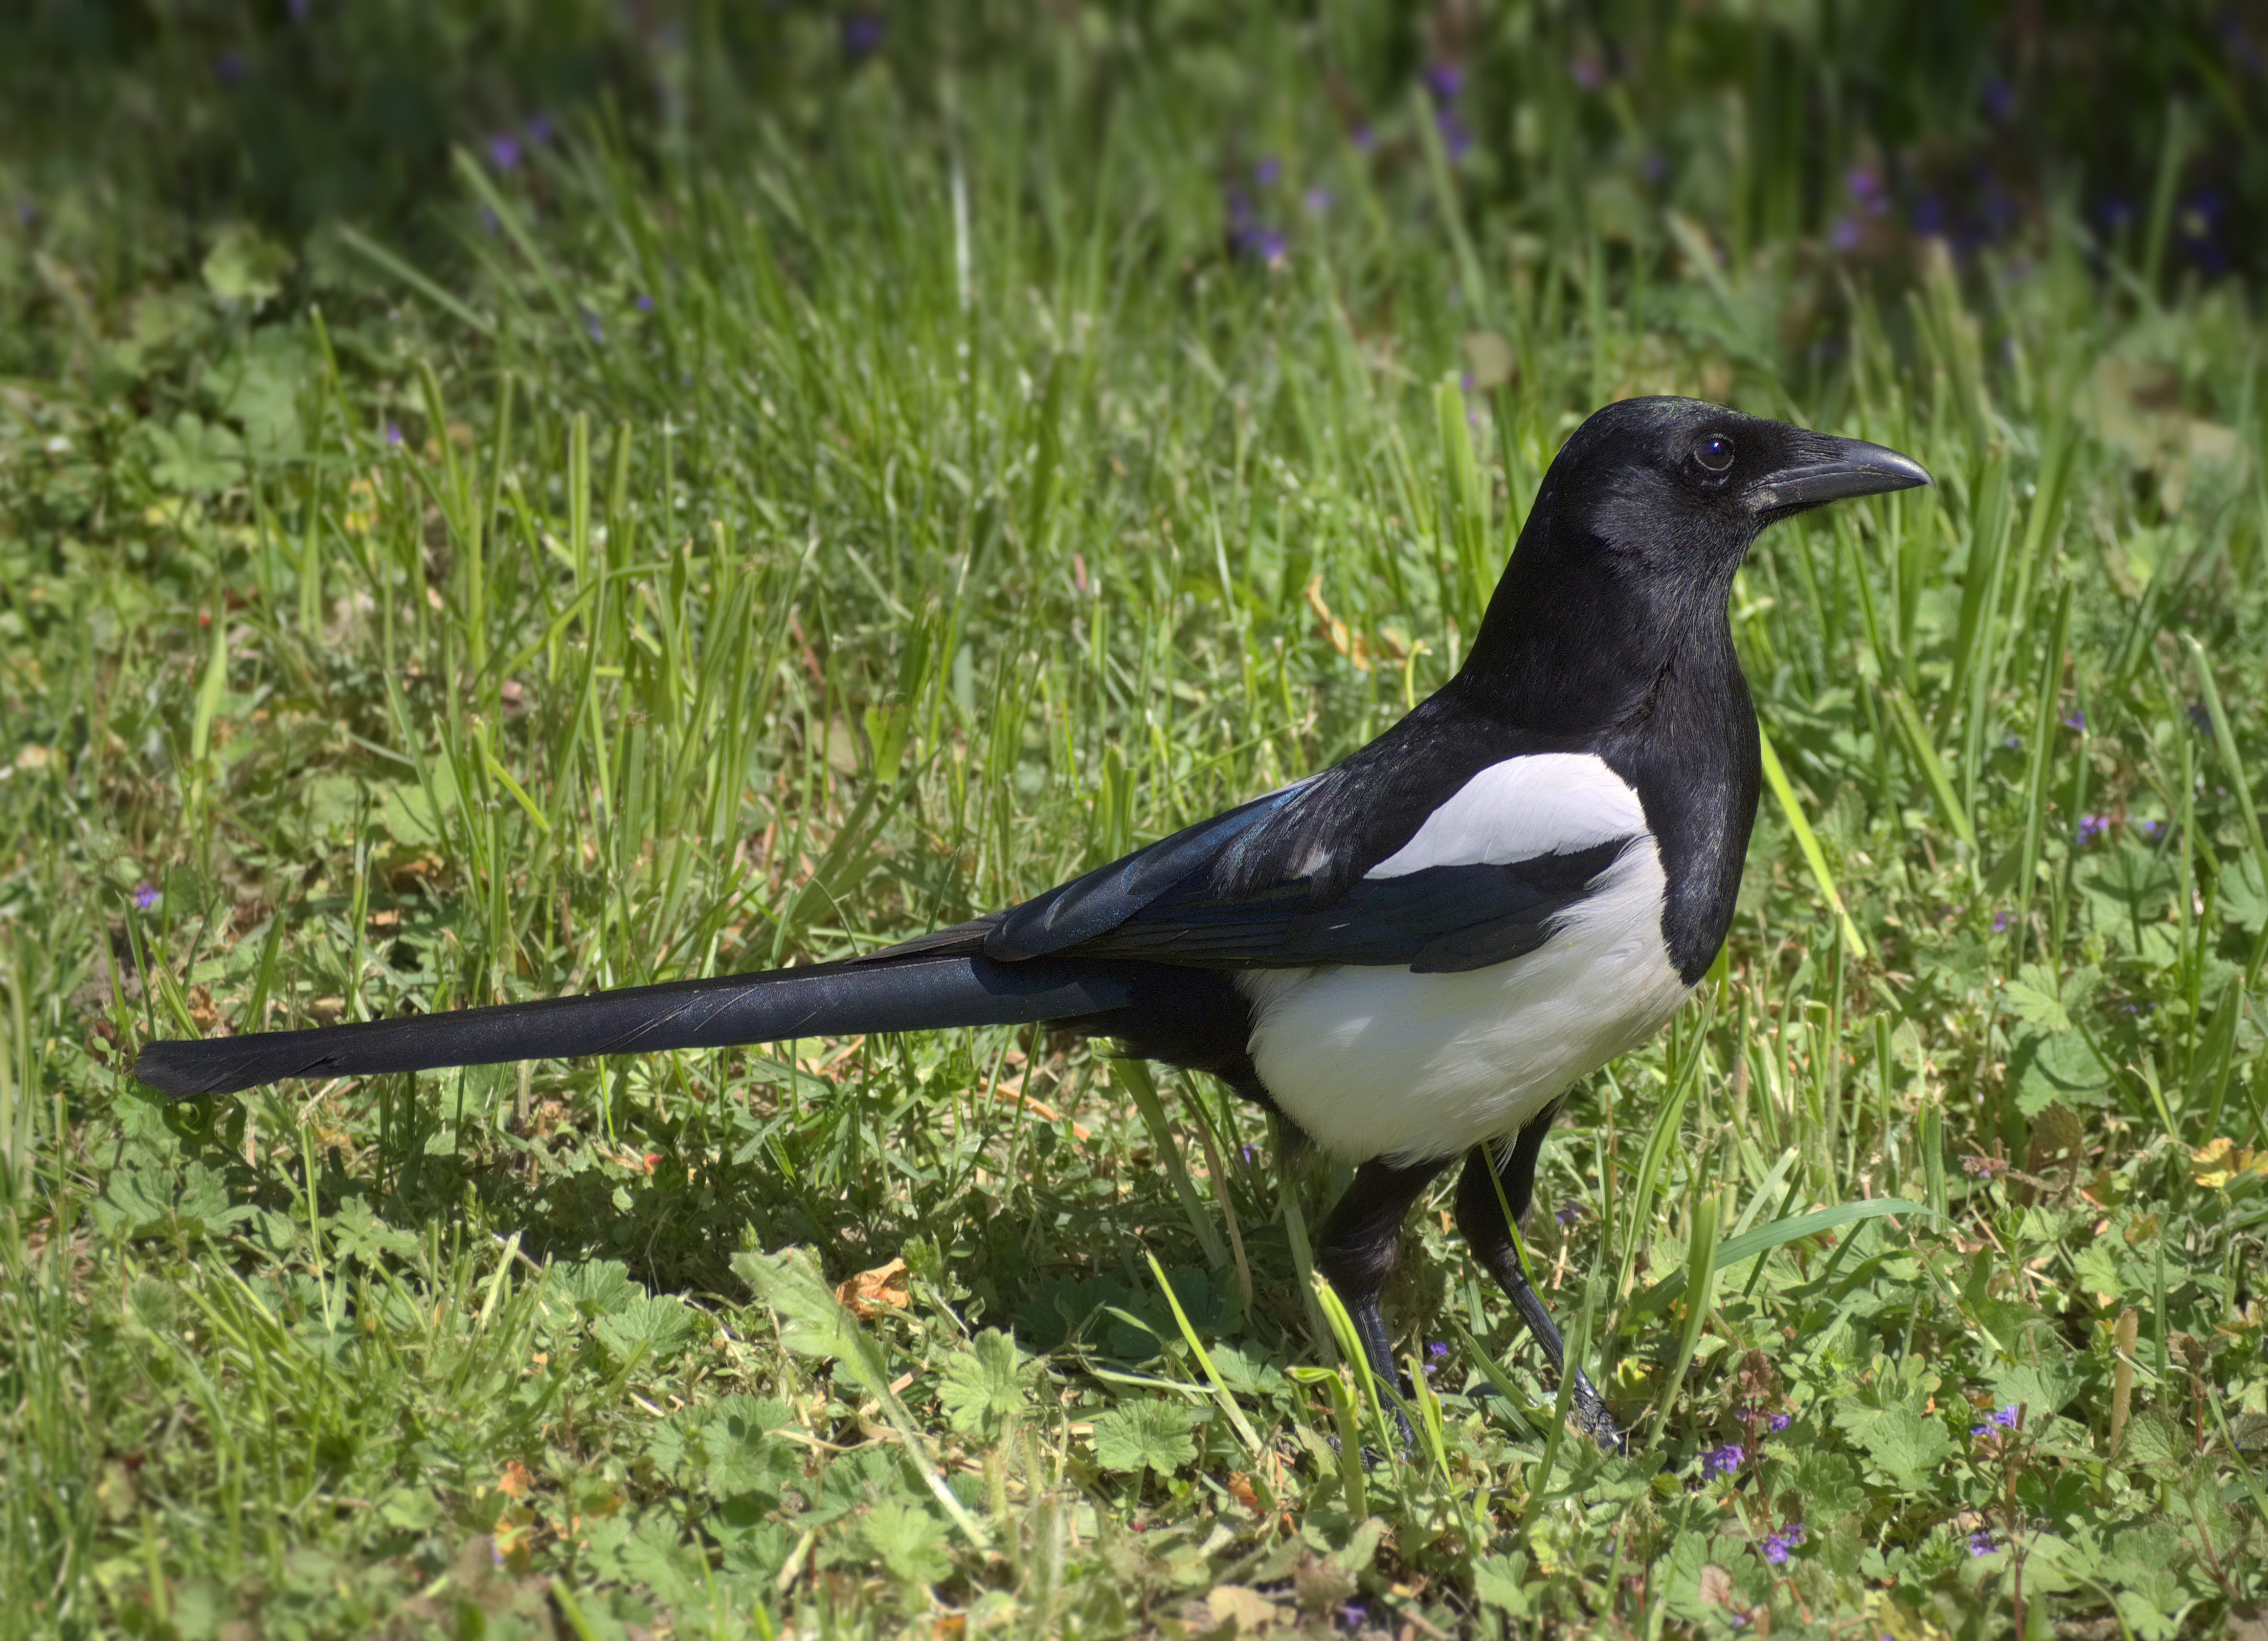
point(1333, 630)
point(1716, 1585)
point(869, 1291)
point(1009, 1091)
point(1252, 1611)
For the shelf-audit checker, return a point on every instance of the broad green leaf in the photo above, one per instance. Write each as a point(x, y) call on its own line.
point(2045, 1067)
point(2243, 901)
point(1498, 1580)
point(194, 458)
point(1907, 1447)
point(910, 1540)
point(411, 815)
point(1152, 1434)
point(243, 266)
point(983, 1388)
point(657, 1325)
point(2044, 1390)
point(2036, 998)
point(594, 1287)
point(1828, 1484)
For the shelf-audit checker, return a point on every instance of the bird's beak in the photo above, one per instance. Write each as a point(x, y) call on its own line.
point(1834, 470)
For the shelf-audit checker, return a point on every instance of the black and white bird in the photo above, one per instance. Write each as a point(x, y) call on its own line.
point(1410, 956)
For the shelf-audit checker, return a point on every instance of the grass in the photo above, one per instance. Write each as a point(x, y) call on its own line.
point(758, 554)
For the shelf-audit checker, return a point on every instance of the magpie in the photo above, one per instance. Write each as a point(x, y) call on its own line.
point(1409, 957)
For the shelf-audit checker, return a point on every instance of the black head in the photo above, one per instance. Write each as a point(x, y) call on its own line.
point(1630, 551)
point(1676, 490)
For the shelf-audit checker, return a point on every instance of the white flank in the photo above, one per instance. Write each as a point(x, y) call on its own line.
point(1552, 803)
point(1377, 1062)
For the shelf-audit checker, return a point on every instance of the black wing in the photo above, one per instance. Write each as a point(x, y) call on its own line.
point(1166, 904)
point(1439, 920)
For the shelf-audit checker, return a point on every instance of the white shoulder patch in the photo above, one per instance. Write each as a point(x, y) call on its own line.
point(1548, 803)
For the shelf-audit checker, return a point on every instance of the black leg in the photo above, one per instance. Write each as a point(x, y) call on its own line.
point(1481, 1216)
point(1355, 1253)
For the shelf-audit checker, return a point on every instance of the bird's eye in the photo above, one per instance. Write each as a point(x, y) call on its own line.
point(1714, 453)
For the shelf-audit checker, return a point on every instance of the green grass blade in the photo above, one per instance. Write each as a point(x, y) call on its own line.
point(1763, 1239)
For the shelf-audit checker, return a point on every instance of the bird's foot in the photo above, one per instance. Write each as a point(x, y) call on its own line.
point(1590, 1416)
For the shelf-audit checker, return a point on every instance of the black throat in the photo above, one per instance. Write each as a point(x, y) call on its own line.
point(1641, 671)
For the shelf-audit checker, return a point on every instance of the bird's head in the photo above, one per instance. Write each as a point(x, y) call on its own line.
point(1675, 490)
point(1629, 552)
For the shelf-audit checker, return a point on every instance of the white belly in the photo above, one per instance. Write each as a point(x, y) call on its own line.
point(1375, 1062)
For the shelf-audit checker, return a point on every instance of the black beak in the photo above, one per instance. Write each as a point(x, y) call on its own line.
point(1835, 470)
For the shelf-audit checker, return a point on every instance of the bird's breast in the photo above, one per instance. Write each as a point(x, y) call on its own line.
point(1382, 1062)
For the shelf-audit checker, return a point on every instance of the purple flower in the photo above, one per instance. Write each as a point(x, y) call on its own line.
point(1775, 1549)
point(1999, 100)
point(862, 34)
point(1363, 137)
point(228, 67)
point(2000, 922)
point(1317, 200)
point(2076, 718)
point(504, 150)
point(1265, 171)
point(1456, 135)
point(1845, 233)
point(1567, 1215)
point(1929, 214)
point(2005, 1418)
point(643, 304)
point(298, 9)
point(1586, 73)
point(2092, 827)
point(144, 896)
point(1980, 1542)
point(2151, 828)
point(393, 432)
point(1864, 181)
point(1352, 1613)
point(540, 129)
point(1776, 1423)
point(1445, 80)
point(1722, 1460)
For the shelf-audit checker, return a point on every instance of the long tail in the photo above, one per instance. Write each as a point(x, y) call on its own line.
point(915, 993)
